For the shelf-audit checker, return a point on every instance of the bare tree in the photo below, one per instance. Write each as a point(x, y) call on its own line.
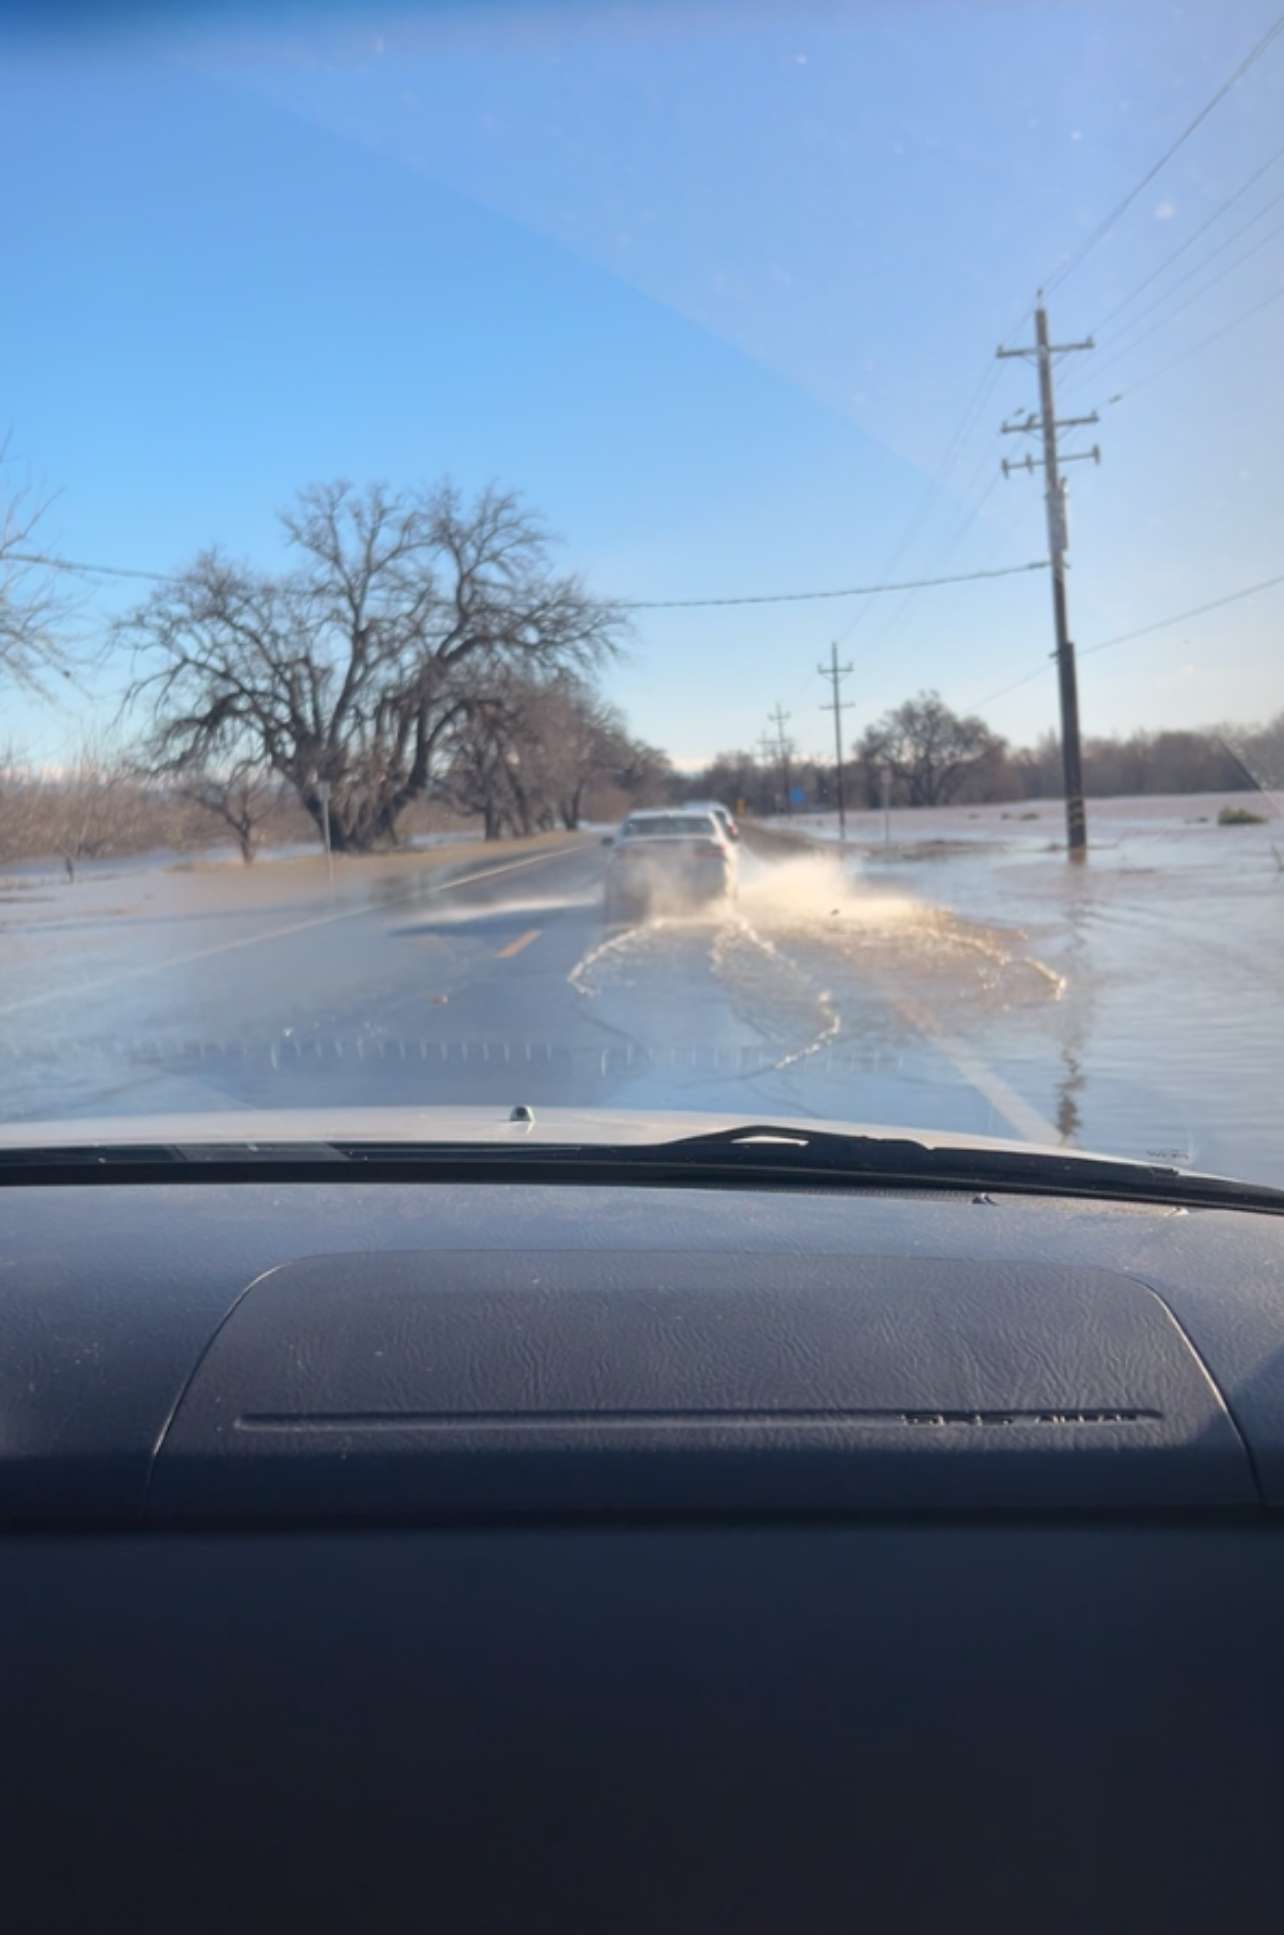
point(481, 760)
point(929, 748)
point(643, 773)
point(90, 808)
point(527, 752)
point(351, 668)
point(34, 610)
point(19, 806)
point(243, 796)
point(585, 740)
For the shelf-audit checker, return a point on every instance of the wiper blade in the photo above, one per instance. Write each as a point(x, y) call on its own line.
point(889, 1159)
point(791, 1150)
point(751, 1155)
point(878, 1155)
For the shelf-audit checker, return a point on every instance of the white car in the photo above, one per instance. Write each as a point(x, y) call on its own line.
point(721, 813)
point(668, 859)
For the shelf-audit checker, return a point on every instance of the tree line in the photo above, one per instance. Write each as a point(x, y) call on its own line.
point(419, 652)
point(933, 756)
point(417, 648)
point(419, 645)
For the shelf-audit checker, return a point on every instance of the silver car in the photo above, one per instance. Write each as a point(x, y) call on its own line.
point(667, 861)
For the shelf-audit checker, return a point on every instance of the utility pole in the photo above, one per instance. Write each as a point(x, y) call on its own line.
point(835, 673)
point(783, 749)
point(767, 749)
point(1047, 422)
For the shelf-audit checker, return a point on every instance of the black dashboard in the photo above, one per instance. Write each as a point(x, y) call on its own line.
point(554, 1557)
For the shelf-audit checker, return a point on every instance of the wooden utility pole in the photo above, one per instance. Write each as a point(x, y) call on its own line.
point(783, 749)
point(1047, 422)
point(835, 673)
point(767, 749)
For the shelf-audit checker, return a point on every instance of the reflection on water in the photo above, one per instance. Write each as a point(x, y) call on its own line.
point(1132, 1004)
point(1068, 1118)
point(1168, 1040)
point(818, 967)
point(985, 986)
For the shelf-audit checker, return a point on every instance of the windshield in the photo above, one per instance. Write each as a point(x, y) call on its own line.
point(439, 435)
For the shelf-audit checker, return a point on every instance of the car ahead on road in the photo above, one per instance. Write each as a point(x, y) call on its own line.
point(667, 861)
point(723, 814)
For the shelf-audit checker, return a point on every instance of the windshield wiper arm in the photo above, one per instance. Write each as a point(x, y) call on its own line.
point(889, 1159)
point(766, 1153)
point(751, 1155)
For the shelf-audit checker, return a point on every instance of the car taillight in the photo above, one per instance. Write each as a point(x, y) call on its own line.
point(709, 850)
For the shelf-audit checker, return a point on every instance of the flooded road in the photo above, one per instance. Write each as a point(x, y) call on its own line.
point(1167, 1037)
point(965, 978)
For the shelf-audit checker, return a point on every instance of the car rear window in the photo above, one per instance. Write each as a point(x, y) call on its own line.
point(663, 824)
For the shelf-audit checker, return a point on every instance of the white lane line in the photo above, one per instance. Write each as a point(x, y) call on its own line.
point(256, 940)
point(988, 1082)
point(975, 1070)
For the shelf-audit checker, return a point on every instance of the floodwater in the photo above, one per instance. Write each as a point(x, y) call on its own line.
point(961, 976)
point(1163, 1030)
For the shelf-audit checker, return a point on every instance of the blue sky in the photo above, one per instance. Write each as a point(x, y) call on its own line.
point(713, 285)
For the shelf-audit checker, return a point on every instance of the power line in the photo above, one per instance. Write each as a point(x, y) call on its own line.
point(1192, 349)
point(971, 416)
point(976, 509)
point(1190, 241)
point(1104, 227)
point(1180, 617)
point(1027, 678)
point(936, 484)
point(1212, 255)
point(847, 591)
point(1118, 355)
point(621, 604)
point(94, 570)
point(897, 616)
point(1142, 631)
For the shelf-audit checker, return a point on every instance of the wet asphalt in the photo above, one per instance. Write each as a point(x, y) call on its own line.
point(499, 986)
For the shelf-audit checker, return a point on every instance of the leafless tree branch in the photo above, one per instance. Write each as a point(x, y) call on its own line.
point(404, 611)
point(35, 609)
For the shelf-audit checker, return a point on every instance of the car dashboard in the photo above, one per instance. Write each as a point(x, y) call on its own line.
point(543, 1556)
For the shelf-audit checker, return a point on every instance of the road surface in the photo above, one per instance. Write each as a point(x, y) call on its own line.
point(504, 986)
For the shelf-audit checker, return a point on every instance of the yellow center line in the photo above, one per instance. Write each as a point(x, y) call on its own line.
point(515, 947)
